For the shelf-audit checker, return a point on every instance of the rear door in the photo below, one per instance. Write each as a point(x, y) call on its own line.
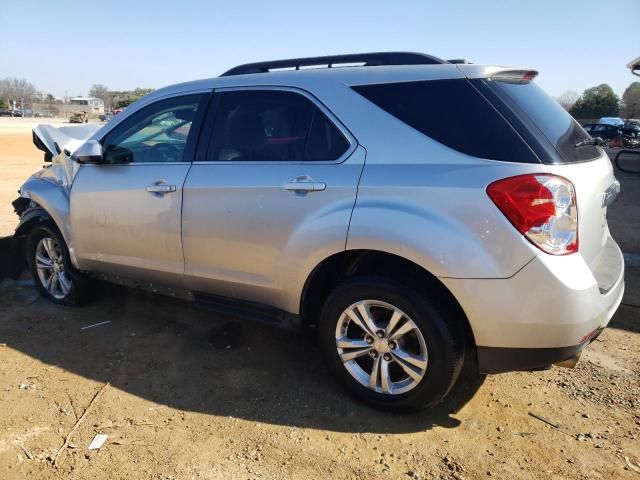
point(271, 193)
point(126, 213)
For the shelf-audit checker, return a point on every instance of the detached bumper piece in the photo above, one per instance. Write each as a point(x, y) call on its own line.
point(501, 360)
point(12, 260)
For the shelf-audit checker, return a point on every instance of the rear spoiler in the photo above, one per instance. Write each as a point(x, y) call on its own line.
point(502, 74)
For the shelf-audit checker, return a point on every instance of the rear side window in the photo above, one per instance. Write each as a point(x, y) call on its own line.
point(553, 121)
point(272, 125)
point(453, 113)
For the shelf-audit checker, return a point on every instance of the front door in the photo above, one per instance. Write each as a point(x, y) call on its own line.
point(125, 213)
point(273, 194)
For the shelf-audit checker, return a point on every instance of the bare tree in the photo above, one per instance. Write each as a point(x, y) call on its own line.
point(568, 99)
point(102, 92)
point(631, 101)
point(13, 88)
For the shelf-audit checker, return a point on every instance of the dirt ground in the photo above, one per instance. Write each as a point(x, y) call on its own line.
point(192, 395)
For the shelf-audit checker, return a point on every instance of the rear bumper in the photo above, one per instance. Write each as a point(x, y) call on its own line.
point(545, 313)
point(501, 360)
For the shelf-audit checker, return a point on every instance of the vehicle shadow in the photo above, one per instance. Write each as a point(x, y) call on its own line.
point(169, 352)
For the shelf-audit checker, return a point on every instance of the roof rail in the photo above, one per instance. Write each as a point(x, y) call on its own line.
point(368, 59)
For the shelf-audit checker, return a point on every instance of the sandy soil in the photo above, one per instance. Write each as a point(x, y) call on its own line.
point(18, 159)
point(192, 395)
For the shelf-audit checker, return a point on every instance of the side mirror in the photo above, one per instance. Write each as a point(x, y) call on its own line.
point(88, 152)
point(628, 161)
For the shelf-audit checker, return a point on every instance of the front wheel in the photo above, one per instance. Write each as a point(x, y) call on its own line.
point(390, 345)
point(51, 267)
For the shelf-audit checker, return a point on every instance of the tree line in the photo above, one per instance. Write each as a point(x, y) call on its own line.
point(20, 89)
point(595, 102)
point(15, 89)
point(117, 99)
point(601, 101)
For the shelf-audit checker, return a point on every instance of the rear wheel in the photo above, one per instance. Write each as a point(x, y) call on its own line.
point(389, 345)
point(52, 271)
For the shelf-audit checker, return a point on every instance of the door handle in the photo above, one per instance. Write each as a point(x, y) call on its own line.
point(161, 188)
point(304, 183)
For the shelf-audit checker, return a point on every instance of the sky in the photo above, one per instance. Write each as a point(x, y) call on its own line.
point(65, 46)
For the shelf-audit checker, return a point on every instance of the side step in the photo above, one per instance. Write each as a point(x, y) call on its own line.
point(253, 311)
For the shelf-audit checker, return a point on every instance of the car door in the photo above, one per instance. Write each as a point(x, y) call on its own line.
point(596, 130)
point(272, 193)
point(610, 132)
point(125, 212)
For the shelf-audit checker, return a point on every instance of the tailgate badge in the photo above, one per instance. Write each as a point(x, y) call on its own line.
point(610, 194)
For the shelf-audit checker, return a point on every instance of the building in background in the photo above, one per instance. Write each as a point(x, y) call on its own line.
point(91, 104)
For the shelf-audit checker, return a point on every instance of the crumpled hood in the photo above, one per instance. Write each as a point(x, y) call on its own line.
point(65, 138)
point(59, 143)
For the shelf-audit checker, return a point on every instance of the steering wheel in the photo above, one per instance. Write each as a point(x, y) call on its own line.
point(164, 152)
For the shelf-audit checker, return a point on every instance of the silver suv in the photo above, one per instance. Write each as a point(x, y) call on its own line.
point(422, 215)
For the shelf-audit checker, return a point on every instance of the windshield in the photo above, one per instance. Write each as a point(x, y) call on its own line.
point(553, 121)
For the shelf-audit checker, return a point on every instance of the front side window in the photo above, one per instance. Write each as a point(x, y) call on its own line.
point(272, 125)
point(157, 133)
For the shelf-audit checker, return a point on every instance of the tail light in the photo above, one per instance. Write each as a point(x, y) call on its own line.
point(542, 207)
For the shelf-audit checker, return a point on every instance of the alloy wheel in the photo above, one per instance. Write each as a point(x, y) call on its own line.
point(381, 347)
point(51, 270)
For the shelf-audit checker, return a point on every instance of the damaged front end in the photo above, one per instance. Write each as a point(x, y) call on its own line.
point(44, 197)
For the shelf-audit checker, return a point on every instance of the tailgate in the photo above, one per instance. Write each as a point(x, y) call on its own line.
point(595, 187)
point(564, 148)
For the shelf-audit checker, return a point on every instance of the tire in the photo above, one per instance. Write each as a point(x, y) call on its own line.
point(429, 336)
point(68, 286)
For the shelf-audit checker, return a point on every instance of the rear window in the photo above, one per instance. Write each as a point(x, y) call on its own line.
point(453, 113)
point(553, 121)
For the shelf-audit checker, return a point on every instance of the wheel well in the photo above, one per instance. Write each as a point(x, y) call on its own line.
point(343, 265)
point(30, 218)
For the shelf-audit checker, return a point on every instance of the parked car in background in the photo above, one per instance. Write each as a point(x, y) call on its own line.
point(421, 216)
point(603, 130)
point(631, 128)
point(615, 121)
point(10, 113)
point(627, 136)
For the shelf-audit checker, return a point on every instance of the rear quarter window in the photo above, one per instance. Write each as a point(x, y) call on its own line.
point(547, 116)
point(453, 113)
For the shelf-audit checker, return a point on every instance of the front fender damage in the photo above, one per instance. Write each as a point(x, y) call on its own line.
point(45, 195)
point(43, 198)
point(50, 195)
